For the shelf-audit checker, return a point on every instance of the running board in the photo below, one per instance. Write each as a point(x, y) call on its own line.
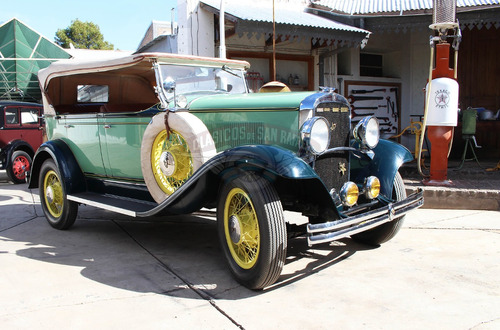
point(118, 204)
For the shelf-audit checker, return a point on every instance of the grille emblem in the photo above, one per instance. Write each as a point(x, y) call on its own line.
point(342, 168)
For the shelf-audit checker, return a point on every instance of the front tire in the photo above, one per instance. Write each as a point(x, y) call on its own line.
point(59, 211)
point(388, 230)
point(19, 165)
point(252, 231)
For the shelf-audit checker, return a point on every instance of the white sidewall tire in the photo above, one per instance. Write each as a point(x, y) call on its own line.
point(195, 133)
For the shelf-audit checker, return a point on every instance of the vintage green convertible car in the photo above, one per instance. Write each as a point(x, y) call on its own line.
point(161, 134)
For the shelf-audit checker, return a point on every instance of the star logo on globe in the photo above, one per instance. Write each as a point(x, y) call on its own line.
point(442, 98)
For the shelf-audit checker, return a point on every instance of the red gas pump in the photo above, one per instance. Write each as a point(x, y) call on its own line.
point(441, 106)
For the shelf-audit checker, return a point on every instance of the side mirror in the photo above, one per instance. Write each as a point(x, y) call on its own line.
point(169, 85)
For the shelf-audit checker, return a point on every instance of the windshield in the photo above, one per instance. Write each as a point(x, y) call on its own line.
point(194, 79)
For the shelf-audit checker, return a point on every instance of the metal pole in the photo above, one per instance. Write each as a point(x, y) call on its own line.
point(222, 32)
point(274, 46)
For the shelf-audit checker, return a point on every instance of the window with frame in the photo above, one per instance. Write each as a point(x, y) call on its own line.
point(29, 116)
point(11, 116)
point(92, 93)
point(370, 65)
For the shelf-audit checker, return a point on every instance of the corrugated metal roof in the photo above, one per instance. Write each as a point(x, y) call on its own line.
point(360, 7)
point(285, 13)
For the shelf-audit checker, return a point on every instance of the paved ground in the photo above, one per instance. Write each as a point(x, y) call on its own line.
point(473, 187)
point(107, 272)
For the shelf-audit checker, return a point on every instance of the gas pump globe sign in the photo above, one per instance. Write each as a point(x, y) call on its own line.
point(443, 102)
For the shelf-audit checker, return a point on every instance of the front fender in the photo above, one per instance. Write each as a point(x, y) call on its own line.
point(69, 169)
point(389, 156)
point(274, 161)
point(295, 181)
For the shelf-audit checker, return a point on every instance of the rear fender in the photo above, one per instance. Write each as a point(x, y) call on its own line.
point(389, 156)
point(69, 169)
point(13, 146)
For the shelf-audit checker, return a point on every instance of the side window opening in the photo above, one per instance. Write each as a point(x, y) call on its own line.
point(92, 93)
point(12, 116)
point(29, 116)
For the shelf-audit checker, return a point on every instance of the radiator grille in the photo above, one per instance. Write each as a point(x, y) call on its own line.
point(334, 168)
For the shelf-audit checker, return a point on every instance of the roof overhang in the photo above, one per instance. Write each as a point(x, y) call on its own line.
point(290, 21)
point(402, 16)
point(377, 8)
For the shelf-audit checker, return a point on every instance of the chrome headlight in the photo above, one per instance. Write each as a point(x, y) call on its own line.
point(315, 134)
point(367, 132)
point(181, 101)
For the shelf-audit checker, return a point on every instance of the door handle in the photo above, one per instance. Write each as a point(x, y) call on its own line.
point(107, 126)
point(68, 126)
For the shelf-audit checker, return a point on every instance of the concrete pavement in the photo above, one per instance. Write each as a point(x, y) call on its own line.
point(109, 272)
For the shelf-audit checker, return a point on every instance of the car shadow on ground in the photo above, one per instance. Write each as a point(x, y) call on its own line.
point(172, 256)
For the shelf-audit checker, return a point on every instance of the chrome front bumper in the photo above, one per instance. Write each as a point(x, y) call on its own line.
point(335, 230)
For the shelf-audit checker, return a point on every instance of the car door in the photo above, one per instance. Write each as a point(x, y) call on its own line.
point(31, 126)
point(121, 144)
point(12, 124)
point(82, 136)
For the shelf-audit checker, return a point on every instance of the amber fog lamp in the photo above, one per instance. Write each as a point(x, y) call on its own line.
point(367, 132)
point(349, 193)
point(372, 187)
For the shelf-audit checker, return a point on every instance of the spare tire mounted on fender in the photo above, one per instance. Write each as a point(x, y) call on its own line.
point(168, 159)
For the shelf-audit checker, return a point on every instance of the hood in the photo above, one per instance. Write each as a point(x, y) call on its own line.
point(253, 101)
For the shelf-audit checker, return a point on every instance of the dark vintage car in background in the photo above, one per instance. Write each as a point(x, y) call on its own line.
point(21, 133)
point(161, 134)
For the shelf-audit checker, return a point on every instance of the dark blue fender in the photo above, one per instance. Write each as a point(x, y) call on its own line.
point(14, 145)
point(294, 180)
point(69, 169)
point(271, 159)
point(389, 156)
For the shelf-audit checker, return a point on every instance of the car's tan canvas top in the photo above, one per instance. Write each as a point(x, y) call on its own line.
point(74, 66)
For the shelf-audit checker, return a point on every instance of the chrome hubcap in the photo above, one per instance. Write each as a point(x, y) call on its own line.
point(234, 229)
point(167, 163)
point(49, 194)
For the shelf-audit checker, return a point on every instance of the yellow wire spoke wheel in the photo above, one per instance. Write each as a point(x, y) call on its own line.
point(252, 230)
point(54, 197)
point(241, 228)
point(171, 161)
point(168, 160)
point(60, 212)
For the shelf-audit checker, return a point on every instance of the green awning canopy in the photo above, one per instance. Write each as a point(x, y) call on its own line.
point(23, 52)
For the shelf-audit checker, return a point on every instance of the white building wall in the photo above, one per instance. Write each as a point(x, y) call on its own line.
point(196, 29)
point(406, 57)
point(418, 75)
point(406, 61)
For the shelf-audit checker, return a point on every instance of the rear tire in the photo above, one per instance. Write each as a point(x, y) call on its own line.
point(19, 165)
point(59, 211)
point(252, 231)
point(388, 230)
